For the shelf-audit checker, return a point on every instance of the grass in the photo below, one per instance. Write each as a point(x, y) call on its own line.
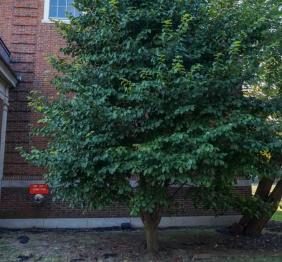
point(278, 215)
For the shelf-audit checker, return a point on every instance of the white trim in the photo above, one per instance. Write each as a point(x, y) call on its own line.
point(239, 183)
point(48, 21)
point(244, 182)
point(20, 183)
point(46, 10)
point(3, 134)
point(7, 75)
point(3, 138)
point(27, 183)
point(4, 92)
point(135, 222)
point(46, 18)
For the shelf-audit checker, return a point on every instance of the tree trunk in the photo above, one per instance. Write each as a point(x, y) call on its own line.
point(263, 191)
point(254, 226)
point(152, 239)
point(151, 222)
point(264, 187)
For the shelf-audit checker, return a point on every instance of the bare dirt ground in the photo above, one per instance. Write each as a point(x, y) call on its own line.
point(189, 244)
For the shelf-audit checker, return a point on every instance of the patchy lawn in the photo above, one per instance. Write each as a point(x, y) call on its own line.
point(200, 244)
point(277, 216)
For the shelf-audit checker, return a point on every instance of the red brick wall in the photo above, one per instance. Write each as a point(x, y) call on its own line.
point(17, 203)
point(30, 42)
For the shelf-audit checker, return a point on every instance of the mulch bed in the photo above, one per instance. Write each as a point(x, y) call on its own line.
point(187, 244)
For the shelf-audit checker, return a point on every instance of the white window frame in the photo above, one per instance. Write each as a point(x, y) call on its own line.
point(46, 18)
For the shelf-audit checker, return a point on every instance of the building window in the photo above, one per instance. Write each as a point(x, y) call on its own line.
point(58, 9)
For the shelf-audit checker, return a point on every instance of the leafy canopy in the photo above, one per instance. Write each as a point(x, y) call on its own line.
point(162, 91)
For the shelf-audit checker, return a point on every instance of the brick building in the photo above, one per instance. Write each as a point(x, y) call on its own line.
point(29, 34)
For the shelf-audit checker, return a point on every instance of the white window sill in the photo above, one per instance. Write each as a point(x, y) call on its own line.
point(52, 21)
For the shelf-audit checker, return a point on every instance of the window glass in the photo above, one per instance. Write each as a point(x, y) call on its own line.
point(60, 8)
point(61, 11)
point(53, 11)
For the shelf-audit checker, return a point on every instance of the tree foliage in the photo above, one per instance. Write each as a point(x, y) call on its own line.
point(160, 91)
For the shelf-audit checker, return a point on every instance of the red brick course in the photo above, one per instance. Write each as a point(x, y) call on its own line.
point(18, 203)
point(30, 42)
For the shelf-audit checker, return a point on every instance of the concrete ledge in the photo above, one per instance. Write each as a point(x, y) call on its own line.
point(27, 183)
point(74, 223)
point(20, 183)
